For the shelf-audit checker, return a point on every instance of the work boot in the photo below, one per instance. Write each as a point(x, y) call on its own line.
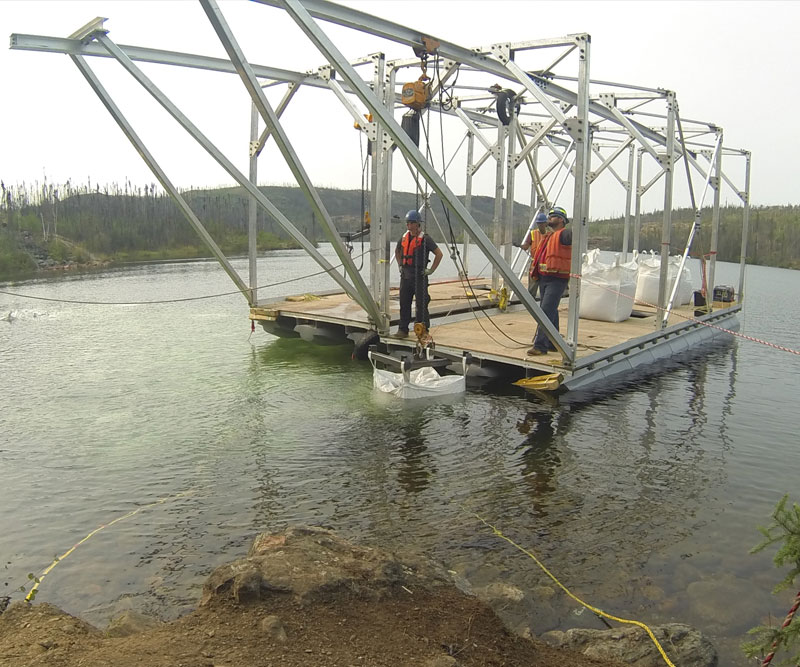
point(535, 352)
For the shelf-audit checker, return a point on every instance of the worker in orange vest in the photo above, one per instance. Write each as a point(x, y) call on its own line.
point(412, 252)
point(532, 242)
point(551, 267)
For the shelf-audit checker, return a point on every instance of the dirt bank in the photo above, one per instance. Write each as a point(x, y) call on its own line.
point(304, 597)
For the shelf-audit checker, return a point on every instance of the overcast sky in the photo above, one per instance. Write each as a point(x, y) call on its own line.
point(733, 63)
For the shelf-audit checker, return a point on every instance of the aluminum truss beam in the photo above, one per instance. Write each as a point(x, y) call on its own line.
point(305, 21)
point(225, 164)
point(248, 78)
point(363, 22)
point(159, 173)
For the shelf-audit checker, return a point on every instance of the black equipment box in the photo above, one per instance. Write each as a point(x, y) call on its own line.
point(724, 293)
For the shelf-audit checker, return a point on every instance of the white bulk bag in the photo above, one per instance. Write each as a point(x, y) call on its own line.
point(607, 290)
point(684, 293)
point(650, 274)
point(422, 383)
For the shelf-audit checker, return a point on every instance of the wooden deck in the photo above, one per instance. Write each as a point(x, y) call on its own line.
point(460, 323)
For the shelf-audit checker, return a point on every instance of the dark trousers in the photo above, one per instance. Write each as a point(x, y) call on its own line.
point(414, 288)
point(533, 286)
point(551, 289)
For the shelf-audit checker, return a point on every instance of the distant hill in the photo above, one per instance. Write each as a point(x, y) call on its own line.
point(65, 224)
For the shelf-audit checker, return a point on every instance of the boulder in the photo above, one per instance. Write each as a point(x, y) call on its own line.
point(129, 623)
point(684, 645)
point(310, 563)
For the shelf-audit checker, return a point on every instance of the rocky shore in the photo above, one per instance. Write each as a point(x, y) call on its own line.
point(308, 597)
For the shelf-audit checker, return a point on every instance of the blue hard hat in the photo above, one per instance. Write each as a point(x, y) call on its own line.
point(541, 218)
point(413, 216)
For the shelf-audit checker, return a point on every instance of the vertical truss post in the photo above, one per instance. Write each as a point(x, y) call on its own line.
point(716, 183)
point(252, 207)
point(745, 225)
point(468, 196)
point(582, 137)
point(248, 77)
point(497, 218)
point(628, 196)
point(159, 173)
point(381, 219)
point(509, 198)
point(637, 220)
point(666, 229)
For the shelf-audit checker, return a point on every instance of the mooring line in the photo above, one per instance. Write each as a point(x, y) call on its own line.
point(38, 580)
point(597, 611)
point(179, 300)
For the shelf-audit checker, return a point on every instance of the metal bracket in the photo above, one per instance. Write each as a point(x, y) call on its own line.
point(502, 52)
point(575, 129)
point(326, 72)
point(87, 32)
point(608, 100)
point(254, 146)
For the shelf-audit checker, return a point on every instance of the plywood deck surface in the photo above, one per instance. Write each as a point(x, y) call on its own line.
point(507, 335)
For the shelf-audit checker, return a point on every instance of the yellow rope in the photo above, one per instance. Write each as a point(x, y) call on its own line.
point(567, 591)
point(38, 580)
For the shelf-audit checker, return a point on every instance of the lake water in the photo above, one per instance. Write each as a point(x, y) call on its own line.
point(643, 499)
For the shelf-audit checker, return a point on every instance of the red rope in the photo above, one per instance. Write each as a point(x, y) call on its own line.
point(788, 620)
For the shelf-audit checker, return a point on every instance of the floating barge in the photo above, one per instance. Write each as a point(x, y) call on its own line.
point(531, 112)
point(459, 325)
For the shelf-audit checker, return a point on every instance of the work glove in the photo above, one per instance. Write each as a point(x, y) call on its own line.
point(428, 272)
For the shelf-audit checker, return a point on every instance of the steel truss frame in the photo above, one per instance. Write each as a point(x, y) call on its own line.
point(554, 131)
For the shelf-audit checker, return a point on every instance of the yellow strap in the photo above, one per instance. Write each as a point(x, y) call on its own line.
point(567, 591)
point(32, 593)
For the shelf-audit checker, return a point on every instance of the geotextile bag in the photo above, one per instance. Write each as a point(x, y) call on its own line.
point(607, 290)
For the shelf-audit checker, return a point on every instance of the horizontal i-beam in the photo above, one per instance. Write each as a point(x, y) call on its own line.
point(363, 22)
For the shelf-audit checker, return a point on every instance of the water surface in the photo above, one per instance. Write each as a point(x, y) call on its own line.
point(643, 498)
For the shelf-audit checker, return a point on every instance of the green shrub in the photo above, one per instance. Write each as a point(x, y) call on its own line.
point(784, 530)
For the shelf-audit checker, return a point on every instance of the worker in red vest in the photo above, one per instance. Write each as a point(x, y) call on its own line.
point(551, 267)
point(412, 252)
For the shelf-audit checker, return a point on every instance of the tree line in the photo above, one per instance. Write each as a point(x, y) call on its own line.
point(124, 222)
point(50, 223)
point(773, 237)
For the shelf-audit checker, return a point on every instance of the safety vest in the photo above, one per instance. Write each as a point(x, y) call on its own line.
point(410, 245)
point(536, 240)
point(556, 259)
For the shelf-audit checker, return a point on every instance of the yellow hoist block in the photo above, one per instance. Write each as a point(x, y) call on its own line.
point(417, 93)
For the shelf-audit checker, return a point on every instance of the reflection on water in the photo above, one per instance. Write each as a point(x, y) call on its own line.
point(635, 494)
point(416, 464)
point(539, 457)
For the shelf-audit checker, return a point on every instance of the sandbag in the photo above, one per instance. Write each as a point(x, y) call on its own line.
point(607, 290)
